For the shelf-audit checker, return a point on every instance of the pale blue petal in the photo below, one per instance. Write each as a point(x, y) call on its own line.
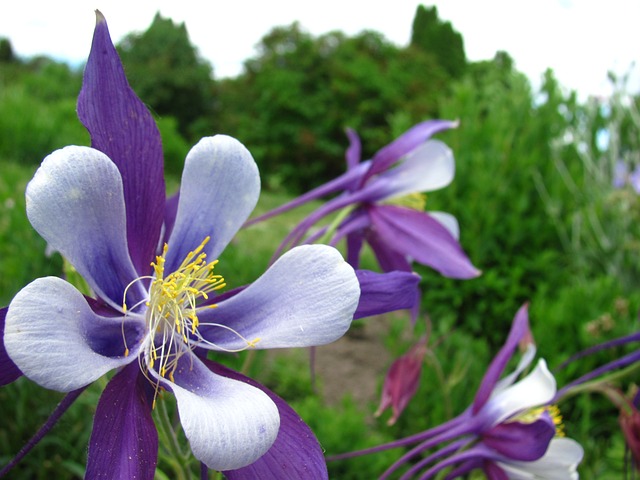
point(308, 297)
point(56, 339)
point(75, 202)
point(429, 167)
point(229, 424)
point(219, 190)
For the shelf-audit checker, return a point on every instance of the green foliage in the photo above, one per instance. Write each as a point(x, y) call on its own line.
point(433, 35)
point(299, 93)
point(503, 142)
point(165, 70)
point(22, 251)
point(532, 194)
point(6, 51)
point(38, 110)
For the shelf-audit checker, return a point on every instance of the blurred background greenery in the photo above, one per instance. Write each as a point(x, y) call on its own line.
point(534, 194)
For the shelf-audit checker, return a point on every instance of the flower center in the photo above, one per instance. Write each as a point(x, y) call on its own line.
point(172, 313)
point(172, 307)
point(552, 410)
point(414, 201)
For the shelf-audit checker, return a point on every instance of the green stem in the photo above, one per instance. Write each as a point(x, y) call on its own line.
point(248, 361)
point(599, 385)
point(333, 226)
point(179, 460)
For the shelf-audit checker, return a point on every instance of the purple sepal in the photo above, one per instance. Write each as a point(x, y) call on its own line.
point(62, 407)
point(121, 127)
point(124, 440)
point(421, 237)
point(388, 258)
point(385, 292)
point(494, 472)
point(354, 151)
point(347, 181)
point(521, 441)
point(170, 211)
point(405, 143)
point(9, 372)
point(296, 453)
point(519, 328)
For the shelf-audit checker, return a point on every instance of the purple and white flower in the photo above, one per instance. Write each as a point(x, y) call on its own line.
point(510, 431)
point(380, 203)
point(155, 311)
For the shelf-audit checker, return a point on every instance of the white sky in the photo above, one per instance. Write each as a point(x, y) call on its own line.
point(581, 40)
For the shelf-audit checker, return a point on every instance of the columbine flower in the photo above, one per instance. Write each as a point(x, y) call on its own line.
point(381, 203)
point(155, 311)
point(509, 431)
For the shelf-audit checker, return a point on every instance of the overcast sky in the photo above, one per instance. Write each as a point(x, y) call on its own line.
point(581, 40)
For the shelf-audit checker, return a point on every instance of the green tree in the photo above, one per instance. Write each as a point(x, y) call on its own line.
point(433, 35)
point(6, 51)
point(299, 93)
point(166, 72)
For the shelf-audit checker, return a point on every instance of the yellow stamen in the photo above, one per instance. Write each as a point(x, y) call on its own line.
point(414, 201)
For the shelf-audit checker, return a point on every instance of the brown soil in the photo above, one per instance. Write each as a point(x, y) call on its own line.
point(355, 364)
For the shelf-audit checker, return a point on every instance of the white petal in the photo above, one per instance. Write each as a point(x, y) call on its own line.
point(49, 333)
point(537, 388)
point(449, 222)
point(76, 203)
point(559, 463)
point(229, 424)
point(524, 362)
point(219, 190)
point(429, 167)
point(308, 297)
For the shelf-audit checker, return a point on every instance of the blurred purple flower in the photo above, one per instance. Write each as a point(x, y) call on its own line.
point(622, 177)
point(381, 204)
point(104, 209)
point(509, 431)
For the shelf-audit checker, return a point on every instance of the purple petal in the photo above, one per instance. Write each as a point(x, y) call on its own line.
point(448, 221)
point(407, 142)
point(124, 440)
point(386, 292)
point(56, 339)
point(296, 453)
point(519, 328)
point(422, 238)
point(122, 127)
point(9, 372)
point(75, 203)
point(219, 189)
point(521, 441)
point(307, 298)
point(228, 423)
